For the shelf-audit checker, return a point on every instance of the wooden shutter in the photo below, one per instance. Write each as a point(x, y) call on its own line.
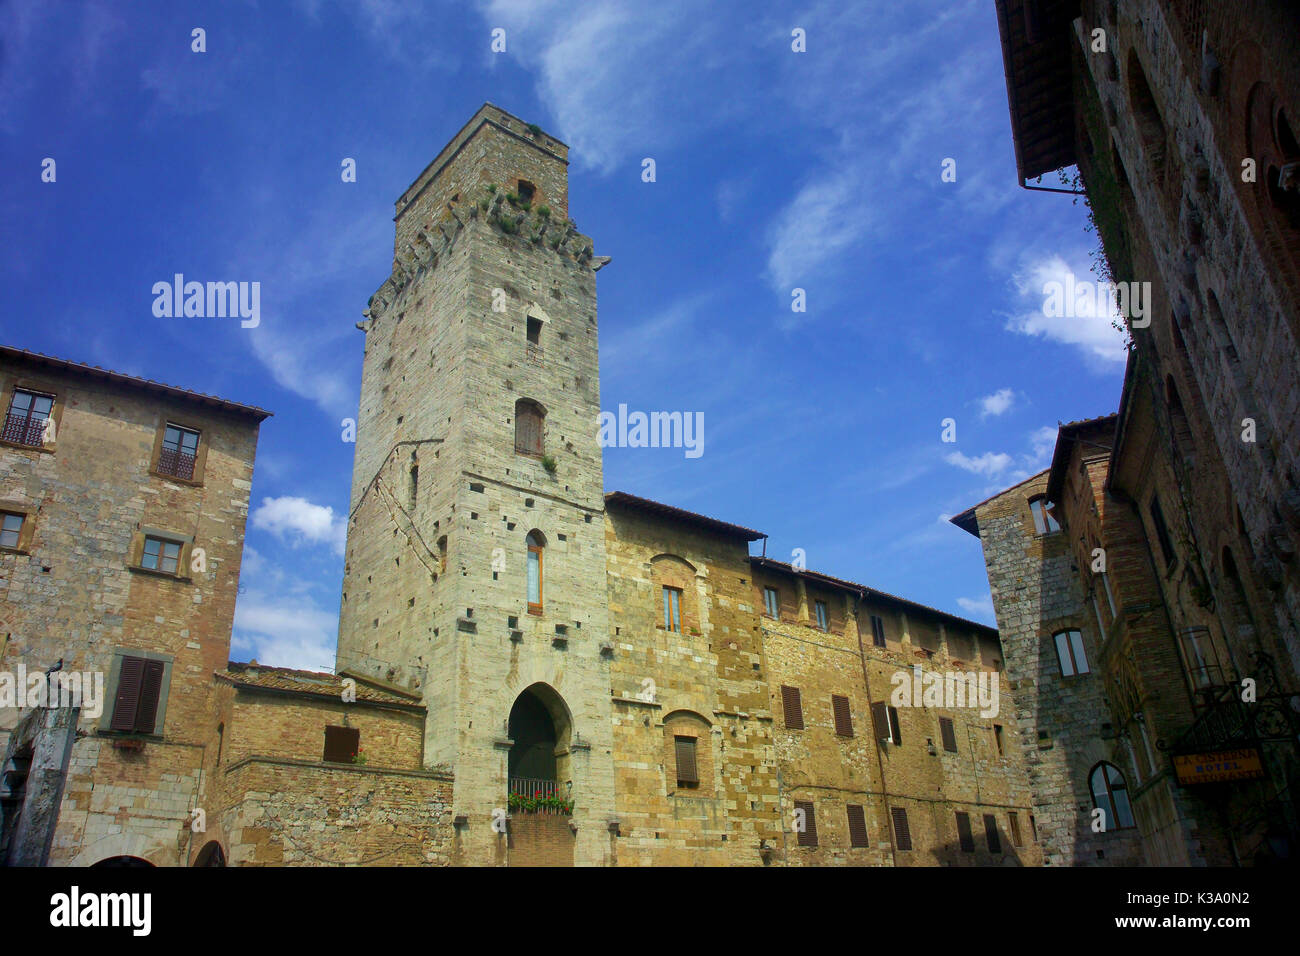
point(843, 718)
point(902, 835)
point(792, 704)
point(686, 769)
point(528, 430)
point(895, 728)
point(127, 702)
point(809, 835)
point(964, 835)
point(1014, 820)
point(880, 720)
point(946, 731)
point(341, 744)
point(857, 826)
point(991, 833)
point(150, 691)
point(877, 631)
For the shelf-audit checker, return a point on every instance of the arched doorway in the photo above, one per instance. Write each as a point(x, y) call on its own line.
point(122, 861)
point(539, 726)
point(211, 855)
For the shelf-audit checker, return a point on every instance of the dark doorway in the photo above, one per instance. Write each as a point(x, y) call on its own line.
point(533, 732)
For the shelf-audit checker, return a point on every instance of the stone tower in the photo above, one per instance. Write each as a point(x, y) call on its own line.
point(475, 567)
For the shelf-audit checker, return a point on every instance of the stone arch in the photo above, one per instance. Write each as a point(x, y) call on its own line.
point(211, 855)
point(136, 845)
point(541, 725)
point(693, 731)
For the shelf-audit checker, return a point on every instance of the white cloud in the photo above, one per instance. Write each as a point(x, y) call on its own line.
point(990, 464)
point(285, 630)
point(997, 403)
point(978, 608)
point(825, 217)
point(1088, 329)
point(297, 520)
point(1043, 443)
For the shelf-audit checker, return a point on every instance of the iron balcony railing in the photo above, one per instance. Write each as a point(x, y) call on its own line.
point(535, 795)
point(176, 463)
point(24, 430)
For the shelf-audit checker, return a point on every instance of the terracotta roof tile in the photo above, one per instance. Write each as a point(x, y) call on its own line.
point(288, 680)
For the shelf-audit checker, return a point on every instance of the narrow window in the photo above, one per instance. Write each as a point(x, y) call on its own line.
point(877, 631)
point(535, 547)
point(792, 707)
point(11, 529)
point(1110, 795)
point(672, 609)
point(687, 773)
point(948, 735)
point(139, 686)
point(180, 448)
point(341, 744)
point(843, 716)
point(161, 555)
point(1162, 531)
point(442, 560)
point(1110, 597)
point(884, 719)
point(526, 191)
point(991, 833)
point(823, 620)
point(808, 835)
point(1070, 653)
point(1101, 625)
point(415, 485)
point(902, 835)
point(529, 421)
point(964, 835)
point(1014, 820)
point(221, 740)
point(997, 739)
point(771, 600)
point(857, 825)
point(1044, 513)
point(534, 331)
point(29, 413)
point(1033, 827)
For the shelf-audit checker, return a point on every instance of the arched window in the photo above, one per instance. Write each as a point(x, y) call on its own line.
point(1044, 515)
point(1110, 795)
point(529, 419)
point(536, 544)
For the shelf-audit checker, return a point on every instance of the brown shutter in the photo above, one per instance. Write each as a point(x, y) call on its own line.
point(809, 835)
point(1014, 820)
point(964, 835)
point(792, 704)
point(150, 690)
point(127, 702)
point(896, 728)
point(843, 717)
point(686, 769)
point(991, 833)
point(902, 835)
point(341, 744)
point(880, 720)
point(857, 826)
point(946, 731)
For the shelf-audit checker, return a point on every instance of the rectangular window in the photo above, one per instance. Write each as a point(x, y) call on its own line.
point(11, 529)
point(341, 744)
point(1044, 513)
point(687, 773)
point(534, 571)
point(948, 735)
point(772, 602)
point(884, 718)
point(180, 448)
point(161, 555)
point(1162, 532)
point(902, 835)
point(991, 833)
point(823, 619)
point(1070, 653)
point(1033, 827)
point(877, 631)
point(29, 413)
point(843, 716)
point(964, 835)
point(672, 609)
point(1014, 820)
point(139, 686)
point(997, 739)
point(792, 706)
point(1110, 597)
point(808, 835)
point(857, 825)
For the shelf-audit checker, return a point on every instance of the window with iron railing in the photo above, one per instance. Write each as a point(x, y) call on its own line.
point(28, 419)
point(180, 448)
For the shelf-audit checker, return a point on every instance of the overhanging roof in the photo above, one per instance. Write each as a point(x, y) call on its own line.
point(1036, 38)
point(678, 514)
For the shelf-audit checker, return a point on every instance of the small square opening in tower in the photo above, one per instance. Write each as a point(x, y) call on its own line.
point(526, 191)
point(534, 331)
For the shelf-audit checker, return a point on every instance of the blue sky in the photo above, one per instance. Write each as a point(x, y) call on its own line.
point(776, 170)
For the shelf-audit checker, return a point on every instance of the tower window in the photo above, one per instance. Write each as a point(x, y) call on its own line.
point(529, 419)
point(1110, 795)
point(534, 331)
point(672, 609)
point(535, 546)
point(772, 602)
point(1070, 653)
point(1044, 513)
point(28, 420)
point(526, 191)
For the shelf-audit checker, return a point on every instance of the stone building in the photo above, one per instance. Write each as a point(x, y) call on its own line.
point(1180, 514)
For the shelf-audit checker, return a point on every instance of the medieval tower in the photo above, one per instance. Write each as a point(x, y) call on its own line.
point(475, 566)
